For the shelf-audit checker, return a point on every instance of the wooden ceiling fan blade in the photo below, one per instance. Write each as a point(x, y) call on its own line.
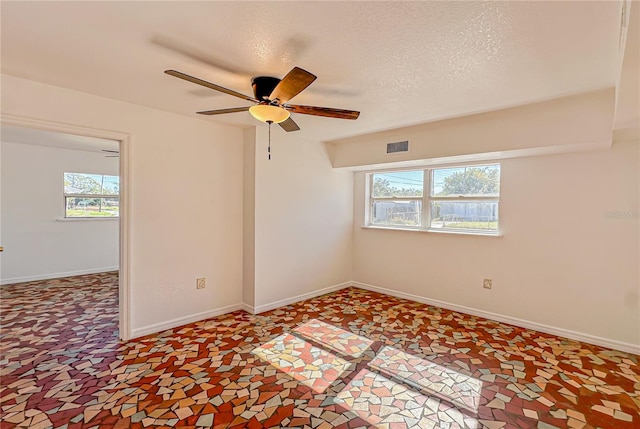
point(291, 85)
point(206, 84)
point(222, 111)
point(323, 111)
point(289, 125)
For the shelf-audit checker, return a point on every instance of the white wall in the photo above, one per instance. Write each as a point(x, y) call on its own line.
point(303, 220)
point(562, 261)
point(37, 245)
point(628, 86)
point(577, 270)
point(185, 196)
point(565, 124)
point(249, 220)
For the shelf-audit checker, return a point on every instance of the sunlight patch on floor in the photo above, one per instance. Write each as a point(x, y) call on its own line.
point(314, 367)
point(382, 401)
point(334, 338)
point(461, 390)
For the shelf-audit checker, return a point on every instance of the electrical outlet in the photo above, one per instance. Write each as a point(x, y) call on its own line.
point(486, 283)
point(201, 283)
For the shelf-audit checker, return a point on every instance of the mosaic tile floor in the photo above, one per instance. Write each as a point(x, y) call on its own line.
point(351, 359)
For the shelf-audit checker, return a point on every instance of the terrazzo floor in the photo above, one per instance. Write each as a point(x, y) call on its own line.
point(350, 359)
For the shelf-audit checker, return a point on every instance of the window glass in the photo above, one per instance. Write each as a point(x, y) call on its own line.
point(92, 207)
point(95, 184)
point(396, 212)
point(398, 184)
point(460, 199)
point(482, 180)
point(91, 195)
point(464, 215)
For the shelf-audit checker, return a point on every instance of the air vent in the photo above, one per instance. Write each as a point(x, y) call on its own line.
point(398, 147)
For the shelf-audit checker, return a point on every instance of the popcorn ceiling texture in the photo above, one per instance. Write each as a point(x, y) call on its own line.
point(399, 63)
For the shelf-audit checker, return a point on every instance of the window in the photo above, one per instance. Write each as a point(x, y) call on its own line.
point(462, 199)
point(396, 198)
point(91, 195)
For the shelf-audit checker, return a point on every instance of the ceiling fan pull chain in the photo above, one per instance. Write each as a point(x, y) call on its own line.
point(269, 147)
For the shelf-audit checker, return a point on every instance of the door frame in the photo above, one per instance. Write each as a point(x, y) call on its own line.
point(124, 290)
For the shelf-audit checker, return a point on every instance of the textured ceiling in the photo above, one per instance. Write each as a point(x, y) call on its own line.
point(399, 63)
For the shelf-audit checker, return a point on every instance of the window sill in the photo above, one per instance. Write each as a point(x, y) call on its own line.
point(436, 231)
point(83, 219)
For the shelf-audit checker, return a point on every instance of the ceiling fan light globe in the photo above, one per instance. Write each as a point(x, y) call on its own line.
point(268, 113)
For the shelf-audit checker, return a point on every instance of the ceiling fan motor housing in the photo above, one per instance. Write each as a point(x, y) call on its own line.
point(263, 86)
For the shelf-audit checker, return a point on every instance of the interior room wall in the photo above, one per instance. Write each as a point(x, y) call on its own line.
point(568, 257)
point(574, 269)
point(303, 220)
point(38, 245)
point(185, 195)
point(249, 218)
point(577, 122)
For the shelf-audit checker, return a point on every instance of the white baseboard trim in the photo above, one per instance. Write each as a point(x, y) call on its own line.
point(56, 275)
point(273, 305)
point(185, 320)
point(246, 307)
point(180, 321)
point(579, 336)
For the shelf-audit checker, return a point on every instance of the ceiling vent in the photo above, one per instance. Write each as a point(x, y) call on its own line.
point(398, 147)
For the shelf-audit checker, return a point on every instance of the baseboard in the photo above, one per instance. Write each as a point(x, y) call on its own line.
point(180, 321)
point(246, 307)
point(56, 275)
point(579, 336)
point(174, 323)
point(273, 305)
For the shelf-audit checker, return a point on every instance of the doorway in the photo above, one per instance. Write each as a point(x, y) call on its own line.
point(64, 204)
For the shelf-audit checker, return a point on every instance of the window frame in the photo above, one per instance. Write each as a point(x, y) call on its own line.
point(66, 196)
point(373, 199)
point(427, 199)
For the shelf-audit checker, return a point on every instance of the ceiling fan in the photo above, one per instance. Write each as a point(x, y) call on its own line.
point(111, 153)
point(271, 97)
